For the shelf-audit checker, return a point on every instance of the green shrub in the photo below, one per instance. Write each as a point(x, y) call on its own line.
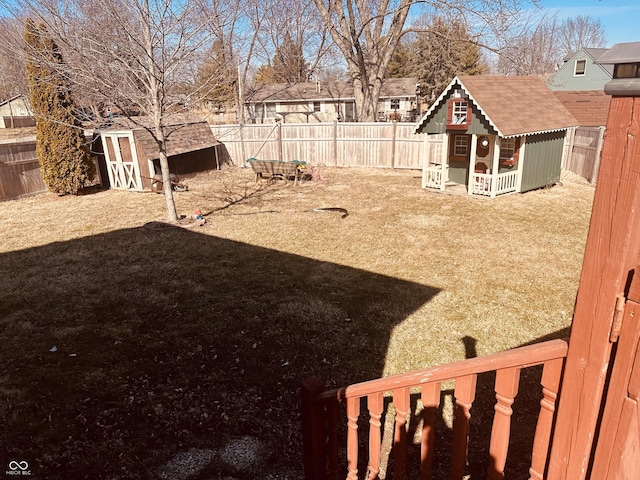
point(60, 144)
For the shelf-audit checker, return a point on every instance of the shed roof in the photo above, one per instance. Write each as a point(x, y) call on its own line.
point(514, 106)
point(9, 100)
point(318, 91)
point(589, 107)
point(184, 133)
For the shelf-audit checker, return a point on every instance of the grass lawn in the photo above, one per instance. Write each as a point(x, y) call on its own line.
point(169, 338)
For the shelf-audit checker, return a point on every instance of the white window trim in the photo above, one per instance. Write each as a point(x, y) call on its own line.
point(507, 148)
point(575, 68)
point(462, 144)
point(459, 114)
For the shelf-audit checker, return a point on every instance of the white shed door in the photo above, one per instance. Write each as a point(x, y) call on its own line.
point(122, 161)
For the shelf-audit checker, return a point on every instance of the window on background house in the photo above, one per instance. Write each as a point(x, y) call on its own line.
point(395, 104)
point(270, 110)
point(349, 112)
point(316, 107)
point(581, 67)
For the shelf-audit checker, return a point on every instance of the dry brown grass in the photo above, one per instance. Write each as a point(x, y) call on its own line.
point(169, 338)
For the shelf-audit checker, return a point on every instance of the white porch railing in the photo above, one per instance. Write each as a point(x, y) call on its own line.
point(481, 184)
point(507, 182)
point(486, 184)
point(432, 177)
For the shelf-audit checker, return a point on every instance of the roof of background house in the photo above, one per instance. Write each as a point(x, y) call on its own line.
point(589, 107)
point(184, 133)
point(594, 53)
point(317, 91)
point(514, 106)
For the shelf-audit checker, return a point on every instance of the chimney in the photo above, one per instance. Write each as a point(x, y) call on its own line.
point(318, 86)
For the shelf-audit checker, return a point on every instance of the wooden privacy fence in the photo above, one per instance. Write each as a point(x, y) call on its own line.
point(584, 146)
point(391, 145)
point(321, 416)
point(19, 170)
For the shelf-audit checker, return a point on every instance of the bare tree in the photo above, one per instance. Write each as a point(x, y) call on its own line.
point(541, 46)
point(131, 55)
point(581, 31)
point(293, 23)
point(534, 51)
point(234, 45)
point(13, 80)
point(367, 33)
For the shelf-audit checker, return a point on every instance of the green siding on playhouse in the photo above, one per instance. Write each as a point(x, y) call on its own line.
point(437, 123)
point(541, 166)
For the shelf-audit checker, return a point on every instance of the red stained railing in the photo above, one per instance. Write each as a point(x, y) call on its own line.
point(321, 414)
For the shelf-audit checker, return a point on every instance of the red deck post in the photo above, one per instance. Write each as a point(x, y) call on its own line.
point(313, 430)
point(611, 253)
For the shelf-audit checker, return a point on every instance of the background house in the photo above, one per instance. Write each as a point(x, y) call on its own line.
point(579, 85)
point(581, 72)
point(499, 135)
point(328, 102)
point(16, 112)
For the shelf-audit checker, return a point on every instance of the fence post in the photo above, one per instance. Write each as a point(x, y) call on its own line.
point(335, 143)
point(393, 144)
point(596, 164)
point(313, 430)
point(242, 149)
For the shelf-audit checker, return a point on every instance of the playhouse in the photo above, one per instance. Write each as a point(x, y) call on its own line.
point(497, 135)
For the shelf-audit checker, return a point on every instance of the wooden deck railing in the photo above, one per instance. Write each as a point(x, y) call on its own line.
point(321, 412)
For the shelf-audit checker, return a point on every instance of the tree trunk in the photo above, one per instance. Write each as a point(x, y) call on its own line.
point(366, 35)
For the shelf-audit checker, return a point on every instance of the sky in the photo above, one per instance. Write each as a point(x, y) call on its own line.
point(620, 18)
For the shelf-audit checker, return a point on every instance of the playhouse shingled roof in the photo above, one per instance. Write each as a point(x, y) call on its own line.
point(514, 106)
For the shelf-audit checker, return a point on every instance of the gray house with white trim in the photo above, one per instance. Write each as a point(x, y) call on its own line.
point(581, 72)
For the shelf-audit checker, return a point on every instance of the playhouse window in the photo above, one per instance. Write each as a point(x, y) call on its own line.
point(581, 67)
point(509, 151)
point(460, 146)
point(459, 114)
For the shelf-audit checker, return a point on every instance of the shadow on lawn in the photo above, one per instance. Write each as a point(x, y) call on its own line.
point(167, 339)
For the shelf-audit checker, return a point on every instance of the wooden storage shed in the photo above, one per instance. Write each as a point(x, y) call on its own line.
point(131, 154)
point(499, 135)
point(16, 112)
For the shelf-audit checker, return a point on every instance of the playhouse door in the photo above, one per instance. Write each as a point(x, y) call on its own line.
point(617, 454)
point(122, 161)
